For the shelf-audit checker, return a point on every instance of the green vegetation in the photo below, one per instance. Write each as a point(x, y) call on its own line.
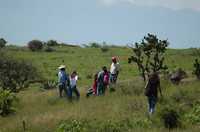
point(40, 110)
point(2, 43)
point(149, 55)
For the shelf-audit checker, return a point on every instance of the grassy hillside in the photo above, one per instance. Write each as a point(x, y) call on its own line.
point(123, 110)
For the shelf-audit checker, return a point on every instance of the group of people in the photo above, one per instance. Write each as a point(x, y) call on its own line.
point(103, 79)
point(68, 83)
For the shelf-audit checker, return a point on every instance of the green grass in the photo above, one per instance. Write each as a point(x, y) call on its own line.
point(42, 110)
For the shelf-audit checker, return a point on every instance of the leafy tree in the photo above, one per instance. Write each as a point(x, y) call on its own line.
point(149, 55)
point(2, 42)
point(52, 43)
point(35, 45)
point(197, 68)
point(16, 74)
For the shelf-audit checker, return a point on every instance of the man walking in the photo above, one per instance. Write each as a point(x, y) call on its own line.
point(63, 80)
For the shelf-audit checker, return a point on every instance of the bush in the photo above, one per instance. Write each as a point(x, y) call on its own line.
point(104, 48)
point(52, 43)
point(170, 117)
point(94, 45)
point(35, 45)
point(49, 49)
point(2, 42)
point(194, 116)
point(6, 102)
point(49, 85)
point(72, 126)
point(197, 69)
point(16, 74)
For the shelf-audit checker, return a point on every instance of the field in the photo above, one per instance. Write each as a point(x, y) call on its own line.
point(123, 110)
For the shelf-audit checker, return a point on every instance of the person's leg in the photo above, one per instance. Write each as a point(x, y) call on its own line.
point(69, 92)
point(150, 101)
point(153, 103)
point(76, 92)
point(60, 87)
point(65, 89)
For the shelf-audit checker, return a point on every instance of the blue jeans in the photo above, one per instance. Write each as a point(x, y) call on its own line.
point(152, 100)
point(71, 90)
point(113, 78)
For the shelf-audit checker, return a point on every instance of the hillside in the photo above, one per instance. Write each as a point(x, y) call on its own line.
point(123, 110)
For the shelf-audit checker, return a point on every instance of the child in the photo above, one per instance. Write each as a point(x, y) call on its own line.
point(93, 90)
point(73, 85)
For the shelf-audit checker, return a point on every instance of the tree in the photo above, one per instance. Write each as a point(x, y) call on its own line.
point(197, 68)
point(35, 45)
point(52, 43)
point(149, 55)
point(2, 42)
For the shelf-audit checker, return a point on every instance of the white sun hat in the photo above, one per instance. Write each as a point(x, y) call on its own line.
point(61, 67)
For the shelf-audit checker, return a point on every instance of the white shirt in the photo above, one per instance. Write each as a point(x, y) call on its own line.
point(73, 81)
point(114, 68)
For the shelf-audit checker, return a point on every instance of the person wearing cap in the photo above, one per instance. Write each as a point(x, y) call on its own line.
point(114, 70)
point(102, 81)
point(63, 80)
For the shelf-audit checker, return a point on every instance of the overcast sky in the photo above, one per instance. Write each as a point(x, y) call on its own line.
point(113, 21)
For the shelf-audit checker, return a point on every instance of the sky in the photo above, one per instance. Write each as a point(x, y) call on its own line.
point(119, 22)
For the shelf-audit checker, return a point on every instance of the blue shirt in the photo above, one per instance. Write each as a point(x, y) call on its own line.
point(62, 77)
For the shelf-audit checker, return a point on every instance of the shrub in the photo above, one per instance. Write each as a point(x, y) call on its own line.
point(6, 102)
point(52, 43)
point(2, 42)
point(177, 76)
point(194, 116)
point(104, 48)
point(197, 68)
point(94, 45)
point(72, 126)
point(49, 49)
point(170, 117)
point(16, 74)
point(49, 84)
point(35, 45)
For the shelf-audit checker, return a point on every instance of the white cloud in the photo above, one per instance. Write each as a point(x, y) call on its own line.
point(172, 4)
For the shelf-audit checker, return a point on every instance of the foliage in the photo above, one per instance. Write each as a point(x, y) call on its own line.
point(149, 54)
point(16, 74)
point(49, 49)
point(197, 68)
point(35, 45)
point(177, 76)
point(94, 45)
point(194, 116)
point(6, 102)
point(49, 84)
point(170, 117)
point(104, 47)
point(52, 43)
point(72, 126)
point(2, 42)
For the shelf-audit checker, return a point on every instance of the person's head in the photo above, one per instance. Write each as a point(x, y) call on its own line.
point(114, 59)
point(62, 67)
point(104, 68)
point(74, 73)
point(95, 76)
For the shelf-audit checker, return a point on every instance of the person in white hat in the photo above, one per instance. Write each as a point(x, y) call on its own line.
point(63, 80)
